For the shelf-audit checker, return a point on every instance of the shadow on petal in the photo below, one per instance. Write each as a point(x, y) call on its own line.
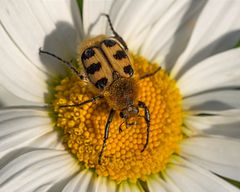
point(217, 46)
point(62, 183)
point(183, 33)
point(14, 154)
point(62, 42)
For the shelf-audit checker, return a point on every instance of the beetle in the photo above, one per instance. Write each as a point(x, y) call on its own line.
point(108, 67)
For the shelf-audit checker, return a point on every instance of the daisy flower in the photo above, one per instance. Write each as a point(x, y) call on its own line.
point(194, 100)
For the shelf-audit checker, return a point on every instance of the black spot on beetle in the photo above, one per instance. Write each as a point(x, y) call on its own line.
point(94, 68)
point(101, 83)
point(88, 53)
point(109, 42)
point(128, 70)
point(120, 55)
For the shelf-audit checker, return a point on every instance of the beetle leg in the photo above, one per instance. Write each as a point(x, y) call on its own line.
point(84, 102)
point(69, 64)
point(147, 120)
point(126, 124)
point(109, 120)
point(117, 36)
point(150, 74)
point(120, 127)
point(130, 124)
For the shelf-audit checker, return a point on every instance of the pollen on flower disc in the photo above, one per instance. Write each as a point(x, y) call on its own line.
point(83, 127)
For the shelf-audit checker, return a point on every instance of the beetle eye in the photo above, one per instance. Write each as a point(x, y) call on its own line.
point(121, 114)
point(135, 110)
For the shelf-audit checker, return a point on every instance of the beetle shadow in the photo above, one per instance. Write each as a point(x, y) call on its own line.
point(62, 42)
point(92, 25)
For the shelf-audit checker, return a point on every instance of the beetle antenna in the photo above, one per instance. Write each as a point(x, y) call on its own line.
point(110, 24)
point(68, 64)
point(93, 99)
point(117, 36)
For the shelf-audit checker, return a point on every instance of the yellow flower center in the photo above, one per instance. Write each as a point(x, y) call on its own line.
point(83, 127)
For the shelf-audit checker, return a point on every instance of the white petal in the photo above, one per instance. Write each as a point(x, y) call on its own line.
point(33, 169)
point(70, 13)
point(81, 182)
point(210, 119)
point(25, 127)
point(21, 111)
point(189, 131)
point(190, 177)
point(213, 125)
point(43, 188)
point(218, 122)
point(34, 24)
point(227, 113)
point(87, 181)
point(220, 71)
point(24, 160)
point(66, 30)
point(16, 70)
point(100, 184)
point(170, 184)
point(130, 187)
point(130, 15)
point(217, 30)
point(156, 184)
point(20, 121)
point(219, 155)
point(93, 23)
point(223, 99)
point(49, 140)
point(184, 183)
point(9, 99)
point(170, 34)
point(134, 27)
